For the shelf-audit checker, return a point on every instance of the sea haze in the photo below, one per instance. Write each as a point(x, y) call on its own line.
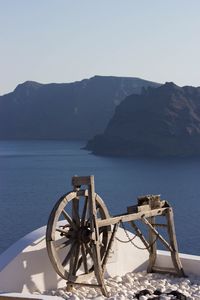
point(34, 174)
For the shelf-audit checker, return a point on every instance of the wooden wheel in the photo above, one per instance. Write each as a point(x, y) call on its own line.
point(70, 235)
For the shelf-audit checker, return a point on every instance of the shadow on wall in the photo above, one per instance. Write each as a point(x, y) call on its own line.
point(31, 271)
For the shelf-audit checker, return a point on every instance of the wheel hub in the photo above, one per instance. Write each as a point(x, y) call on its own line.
point(84, 234)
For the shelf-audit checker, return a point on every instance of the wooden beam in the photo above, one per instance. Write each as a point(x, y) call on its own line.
point(131, 217)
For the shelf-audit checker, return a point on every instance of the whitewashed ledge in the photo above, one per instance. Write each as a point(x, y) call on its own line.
point(25, 269)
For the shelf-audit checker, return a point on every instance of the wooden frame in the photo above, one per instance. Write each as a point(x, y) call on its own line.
point(86, 233)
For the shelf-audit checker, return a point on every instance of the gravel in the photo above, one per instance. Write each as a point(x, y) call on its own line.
point(141, 285)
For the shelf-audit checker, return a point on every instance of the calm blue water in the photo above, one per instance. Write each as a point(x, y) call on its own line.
point(34, 174)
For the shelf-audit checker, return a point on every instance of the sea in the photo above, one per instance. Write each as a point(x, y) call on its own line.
point(35, 174)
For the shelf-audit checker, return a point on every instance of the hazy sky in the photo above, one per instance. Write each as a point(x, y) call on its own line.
point(68, 40)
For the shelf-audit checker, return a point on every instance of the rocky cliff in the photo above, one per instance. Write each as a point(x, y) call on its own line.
point(163, 121)
point(76, 110)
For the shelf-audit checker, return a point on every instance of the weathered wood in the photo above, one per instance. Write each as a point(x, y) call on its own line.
point(85, 284)
point(98, 268)
point(75, 211)
point(131, 217)
point(84, 212)
point(87, 233)
point(95, 243)
point(152, 242)
point(155, 234)
point(172, 236)
point(109, 247)
point(164, 270)
point(69, 219)
point(84, 258)
point(140, 235)
point(72, 230)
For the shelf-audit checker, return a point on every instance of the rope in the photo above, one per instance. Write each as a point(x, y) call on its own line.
point(130, 240)
point(128, 237)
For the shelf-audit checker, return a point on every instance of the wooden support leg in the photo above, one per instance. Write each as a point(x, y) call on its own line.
point(153, 247)
point(98, 270)
point(173, 242)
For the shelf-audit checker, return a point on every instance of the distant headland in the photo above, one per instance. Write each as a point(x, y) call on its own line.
point(118, 116)
point(162, 121)
point(77, 110)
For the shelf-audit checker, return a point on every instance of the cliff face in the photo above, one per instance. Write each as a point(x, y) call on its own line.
point(163, 121)
point(76, 110)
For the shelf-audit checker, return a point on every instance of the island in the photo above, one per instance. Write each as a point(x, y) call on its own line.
point(159, 122)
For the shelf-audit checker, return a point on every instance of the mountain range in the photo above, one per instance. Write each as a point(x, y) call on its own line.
point(162, 121)
point(77, 110)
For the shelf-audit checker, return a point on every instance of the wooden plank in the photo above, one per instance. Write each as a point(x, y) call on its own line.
point(131, 217)
point(85, 284)
point(158, 269)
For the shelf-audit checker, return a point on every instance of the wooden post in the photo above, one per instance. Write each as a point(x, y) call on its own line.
point(173, 242)
point(153, 247)
point(95, 243)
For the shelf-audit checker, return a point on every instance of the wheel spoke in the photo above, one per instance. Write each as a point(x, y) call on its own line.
point(65, 244)
point(68, 218)
point(73, 251)
point(61, 230)
point(64, 226)
point(79, 263)
point(76, 259)
point(69, 254)
point(84, 212)
point(73, 260)
point(89, 251)
point(84, 258)
point(75, 209)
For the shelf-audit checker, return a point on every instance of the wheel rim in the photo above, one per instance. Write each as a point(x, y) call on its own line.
point(69, 235)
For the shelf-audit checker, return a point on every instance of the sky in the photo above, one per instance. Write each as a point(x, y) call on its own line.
point(69, 40)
